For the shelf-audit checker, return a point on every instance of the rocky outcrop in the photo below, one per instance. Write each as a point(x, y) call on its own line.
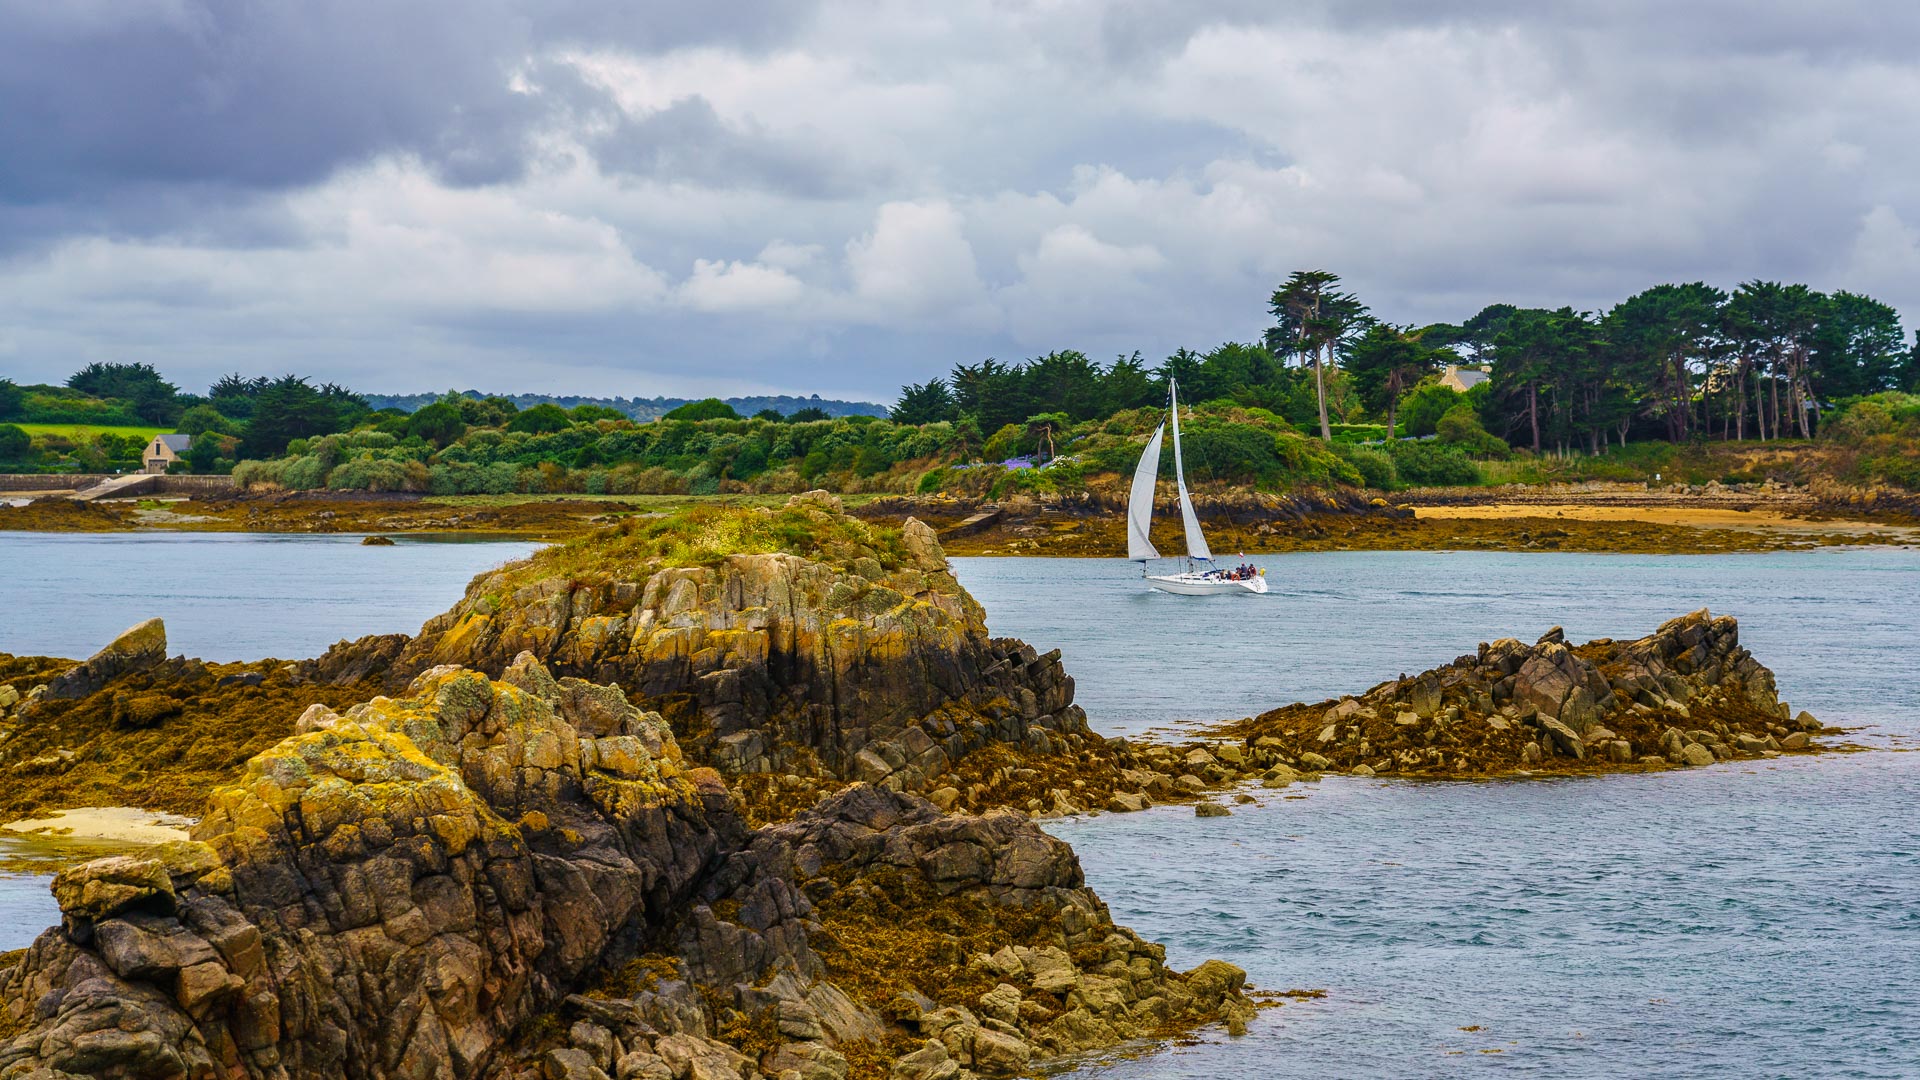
point(861, 659)
point(424, 886)
point(387, 893)
point(875, 927)
point(136, 649)
point(1688, 694)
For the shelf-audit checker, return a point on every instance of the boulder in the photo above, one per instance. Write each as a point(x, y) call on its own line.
point(1695, 754)
point(1210, 809)
point(136, 649)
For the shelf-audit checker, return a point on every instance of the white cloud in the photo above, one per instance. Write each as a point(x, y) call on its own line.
point(737, 286)
point(886, 190)
point(916, 263)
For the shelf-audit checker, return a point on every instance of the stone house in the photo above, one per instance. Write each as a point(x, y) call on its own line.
point(1462, 379)
point(164, 450)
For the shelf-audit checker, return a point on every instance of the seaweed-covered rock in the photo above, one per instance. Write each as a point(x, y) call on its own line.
point(136, 649)
point(1664, 699)
point(874, 928)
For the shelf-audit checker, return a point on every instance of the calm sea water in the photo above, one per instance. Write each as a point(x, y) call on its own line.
point(226, 596)
point(1754, 919)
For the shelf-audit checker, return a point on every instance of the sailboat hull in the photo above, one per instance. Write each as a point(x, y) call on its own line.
point(1203, 585)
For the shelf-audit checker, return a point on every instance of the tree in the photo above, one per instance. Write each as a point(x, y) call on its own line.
point(201, 419)
point(1540, 357)
point(13, 400)
point(771, 416)
point(591, 414)
point(1424, 405)
point(147, 395)
point(1042, 427)
point(540, 419)
point(1384, 363)
point(1312, 318)
point(203, 454)
point(233, 395)
point(924, 403)
point(1858, 347)
point(1127, 384)
point(1663, 336)
point(705, 409)
point(439, 423)
point(290, 408)
point(807, 415)
point(15, 444)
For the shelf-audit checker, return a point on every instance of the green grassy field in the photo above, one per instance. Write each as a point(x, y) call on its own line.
point(88, 431)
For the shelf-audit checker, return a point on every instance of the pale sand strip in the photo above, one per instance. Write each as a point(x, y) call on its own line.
point(119, 824)
point(1692, 517)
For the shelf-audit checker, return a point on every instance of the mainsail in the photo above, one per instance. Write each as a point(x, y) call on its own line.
point(1140, 501)
point(1196, 540)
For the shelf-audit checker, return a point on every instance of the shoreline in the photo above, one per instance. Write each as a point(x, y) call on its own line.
point(1595, 519)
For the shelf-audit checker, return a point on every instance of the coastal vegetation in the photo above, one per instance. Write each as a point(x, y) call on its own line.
point(1766, 382)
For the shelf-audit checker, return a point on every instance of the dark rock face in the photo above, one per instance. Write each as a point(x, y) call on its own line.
point(873, 921)
point(386, 894)
point(136, 649)
point(1687, 694)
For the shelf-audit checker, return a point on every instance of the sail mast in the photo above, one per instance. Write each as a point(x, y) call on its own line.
point(1196, 540)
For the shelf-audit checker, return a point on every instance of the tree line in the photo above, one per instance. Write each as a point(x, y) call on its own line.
point(1679, 362)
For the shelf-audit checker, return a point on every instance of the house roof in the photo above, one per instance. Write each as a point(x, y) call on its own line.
point(1463, 378)
point(175, 442)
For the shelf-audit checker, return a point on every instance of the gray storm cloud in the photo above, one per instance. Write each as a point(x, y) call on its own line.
point(842, 197)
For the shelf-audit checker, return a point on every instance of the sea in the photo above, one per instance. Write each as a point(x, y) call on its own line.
point(1748, 919)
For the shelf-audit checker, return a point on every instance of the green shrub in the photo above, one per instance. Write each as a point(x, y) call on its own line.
point(1431, 464)
point(1374, 466)
point(1460, 427)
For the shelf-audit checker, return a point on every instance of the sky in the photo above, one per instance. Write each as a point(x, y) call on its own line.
point(785, 196)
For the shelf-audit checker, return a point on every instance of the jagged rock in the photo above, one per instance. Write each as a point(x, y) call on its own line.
point(1549, 706)
point(136, 649)
point(863, 660)
point(388, 895)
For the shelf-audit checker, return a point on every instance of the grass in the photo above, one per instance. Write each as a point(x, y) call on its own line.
point(88, 431)
point(705, 534)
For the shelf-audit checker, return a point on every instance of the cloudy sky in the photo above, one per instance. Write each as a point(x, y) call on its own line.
point(778, 195)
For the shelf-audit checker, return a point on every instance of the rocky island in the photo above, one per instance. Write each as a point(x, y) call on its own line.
point(506, 866)
point(730, 793)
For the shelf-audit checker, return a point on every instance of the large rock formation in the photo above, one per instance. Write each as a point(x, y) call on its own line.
point(1686, 694)
point(386, 894)
point(857, 658)
point(421, 886)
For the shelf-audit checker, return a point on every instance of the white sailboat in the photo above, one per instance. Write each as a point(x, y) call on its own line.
point(1201, 577)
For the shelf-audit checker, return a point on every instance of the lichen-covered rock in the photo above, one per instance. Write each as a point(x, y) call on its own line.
point(385, 895)
point(1667, 698)
point(861, 658)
